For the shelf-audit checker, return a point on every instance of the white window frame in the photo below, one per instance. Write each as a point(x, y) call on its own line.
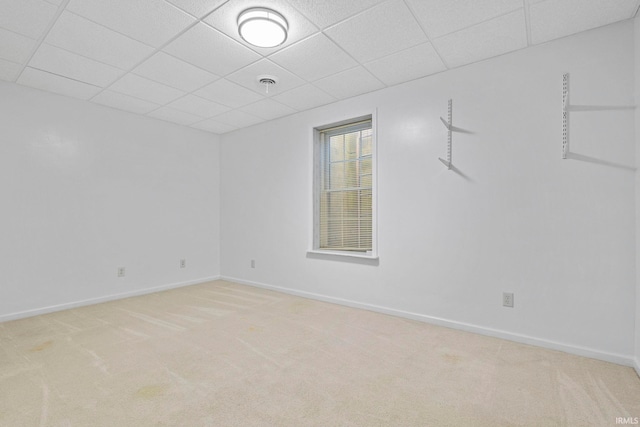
point(315, 200)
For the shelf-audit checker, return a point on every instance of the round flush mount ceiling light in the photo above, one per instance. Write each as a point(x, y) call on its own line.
point(262, 27)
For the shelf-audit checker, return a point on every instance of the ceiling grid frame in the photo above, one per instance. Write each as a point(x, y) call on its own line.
point(61, 8)
point(157, 50)
point(323, 31)
point(376, 68)
point(426, 33)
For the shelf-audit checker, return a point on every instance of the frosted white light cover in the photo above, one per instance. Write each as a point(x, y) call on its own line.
point(262, 27)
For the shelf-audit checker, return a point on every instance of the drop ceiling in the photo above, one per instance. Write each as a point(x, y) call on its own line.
point(182, 60)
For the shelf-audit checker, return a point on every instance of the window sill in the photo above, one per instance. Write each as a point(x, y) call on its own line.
point(343, 254)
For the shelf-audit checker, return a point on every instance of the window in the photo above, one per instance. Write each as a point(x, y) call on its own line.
point(344, 193)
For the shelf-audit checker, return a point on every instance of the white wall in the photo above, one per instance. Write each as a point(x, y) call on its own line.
point(87, 189)
point(558, 233)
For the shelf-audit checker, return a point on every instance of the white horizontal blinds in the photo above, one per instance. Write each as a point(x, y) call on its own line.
point(346, 179)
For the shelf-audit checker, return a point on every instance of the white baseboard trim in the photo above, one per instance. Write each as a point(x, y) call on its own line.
point(98, 300)
point(636, 365)
point(525, 339)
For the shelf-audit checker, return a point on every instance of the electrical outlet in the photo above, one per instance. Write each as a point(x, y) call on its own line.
point(253, 263)
point(507, 299)
point(121, 272)
point(183, 263)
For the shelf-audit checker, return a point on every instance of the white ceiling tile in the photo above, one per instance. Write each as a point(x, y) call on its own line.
point(552, 19)
point(207, 48)
point(207, 76)
point(268, 109)
point(174, 72)
point(410, 64)
point(197, 106)
point(492, 38)
point(67, 64)
point(225, 19)
point(56, 84)
point(175, 116)
point(314, 58)
point(27, 17)
point(237, 119)
point(146, 89)
point(124, 102)
point(328, 12)
point(15, 47)
point(79, 35)
point(378, 32)
point(304, 97)
point(349, 83)
point(228, 93)
point(210, 125)
point(248, 77)
point(440, 17)
point(8, 70)
point(153, 22)
point(197, 8)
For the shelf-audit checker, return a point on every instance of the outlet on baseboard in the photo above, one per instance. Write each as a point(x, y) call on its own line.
point(507, 299)
point(183, 263)
point(121, 271)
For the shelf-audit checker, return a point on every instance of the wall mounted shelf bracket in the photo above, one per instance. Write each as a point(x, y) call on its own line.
point(449, 125)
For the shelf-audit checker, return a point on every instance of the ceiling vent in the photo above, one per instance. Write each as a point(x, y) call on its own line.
point(267, 81)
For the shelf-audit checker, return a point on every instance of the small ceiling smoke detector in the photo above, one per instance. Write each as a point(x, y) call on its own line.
point(262, 27)
point(267, 80)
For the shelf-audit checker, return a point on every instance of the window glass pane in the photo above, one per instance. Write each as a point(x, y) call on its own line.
point(337, 178)
point(336, 205)
point(351, 174)
point(337, 148)
point(351, 145)
point(366, 181)
point(365, 203)
point(366, 142)
point(366, 166)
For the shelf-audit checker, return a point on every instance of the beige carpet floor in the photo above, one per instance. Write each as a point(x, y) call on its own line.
point(223, 354)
